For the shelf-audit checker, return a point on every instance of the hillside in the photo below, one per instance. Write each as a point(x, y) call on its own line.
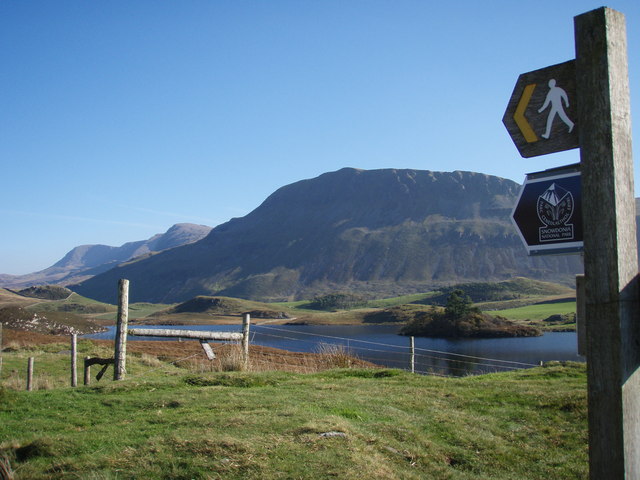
point(381, 231)
point(213, 310)
point(86, 261)
point(508, 290)
point(46, 292)
point(12, 299)
point(52, 323)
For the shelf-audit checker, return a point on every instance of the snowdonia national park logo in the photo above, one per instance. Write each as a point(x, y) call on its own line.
point(555, 210)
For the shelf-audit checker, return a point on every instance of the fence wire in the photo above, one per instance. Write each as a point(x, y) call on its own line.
point(435, 361)
point(425, 361)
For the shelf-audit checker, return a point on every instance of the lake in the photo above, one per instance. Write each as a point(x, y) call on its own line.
point(382, 345)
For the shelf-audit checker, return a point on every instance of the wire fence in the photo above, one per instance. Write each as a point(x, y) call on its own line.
point(309, 352)
point(388, 354)
point(425, 361)
point(297, 343)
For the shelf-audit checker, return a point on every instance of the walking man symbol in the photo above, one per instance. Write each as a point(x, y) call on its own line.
point(555, 98)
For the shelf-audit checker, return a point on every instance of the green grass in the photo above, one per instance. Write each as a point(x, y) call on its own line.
point(538, 311)
point(401, 300)
point(82, 305)
point(490, 296)
point(74, 303)
point(52, 365)
point(520, 425)
point(295, 304)
point(136, 310)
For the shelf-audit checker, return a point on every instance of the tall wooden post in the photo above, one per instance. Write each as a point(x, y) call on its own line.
point(30, 374)
point(120, 354)
point(412, 348)
point(74, 360)
point(581, 327)
point(610, 250)
point(246, 321)
point(1, 350)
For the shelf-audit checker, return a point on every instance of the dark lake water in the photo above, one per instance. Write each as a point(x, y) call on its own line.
point(382, 345)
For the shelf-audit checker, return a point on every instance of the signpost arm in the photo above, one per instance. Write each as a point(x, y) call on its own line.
point(610, 249)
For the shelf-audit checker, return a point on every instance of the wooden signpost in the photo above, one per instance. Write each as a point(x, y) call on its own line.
point(596, 111)
point(610, 246)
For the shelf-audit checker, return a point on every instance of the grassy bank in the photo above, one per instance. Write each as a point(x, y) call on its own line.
point(537, 311)
point(344, 424)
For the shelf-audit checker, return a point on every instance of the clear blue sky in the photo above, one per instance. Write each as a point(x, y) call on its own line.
point(119, 119)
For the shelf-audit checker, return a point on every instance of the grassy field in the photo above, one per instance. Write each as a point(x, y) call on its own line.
point(537, 311)
point(136, 311)
point(74, 300)
point(168, 423)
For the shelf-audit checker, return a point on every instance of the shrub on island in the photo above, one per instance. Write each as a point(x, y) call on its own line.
point(460, 319)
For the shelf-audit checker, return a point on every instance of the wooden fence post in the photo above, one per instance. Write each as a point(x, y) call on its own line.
point(74, 360)
point(246, 321)
point(120, 353)
point(412, 350)
point(30, 374)
point(610, 246)
point(87, 371)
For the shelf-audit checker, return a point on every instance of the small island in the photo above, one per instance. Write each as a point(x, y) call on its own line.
point(459, 319)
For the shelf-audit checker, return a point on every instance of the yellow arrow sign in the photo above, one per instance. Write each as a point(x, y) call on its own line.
point(526, 120)
point(523, 124)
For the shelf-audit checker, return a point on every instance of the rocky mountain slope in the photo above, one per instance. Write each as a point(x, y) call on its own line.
point(87, 260)
point(379, 231)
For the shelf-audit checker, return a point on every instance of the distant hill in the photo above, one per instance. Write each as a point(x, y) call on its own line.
point(46, 292)
point(51, 323)
point(385, 232)
point(87, 260)
point(223, 306)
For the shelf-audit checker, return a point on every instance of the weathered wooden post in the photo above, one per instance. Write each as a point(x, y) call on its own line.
point(30, 374)
point(581, 326)
point(120, 353)
point(246, 321)
point(74, 360)
point(87, 371)
point(610, 247)
point(0, 350)
point(412, 348)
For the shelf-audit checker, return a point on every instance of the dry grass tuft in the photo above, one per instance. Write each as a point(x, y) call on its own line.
point(18, 381)
point(150, 360)
point(5, 469)
point(231, 359)
point(336, 356)
point(14, 381)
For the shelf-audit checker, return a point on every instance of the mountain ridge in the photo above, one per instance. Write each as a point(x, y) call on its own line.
point(85, 261)
point(387, 230)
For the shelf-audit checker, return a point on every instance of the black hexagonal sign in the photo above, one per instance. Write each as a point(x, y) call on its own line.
point(548, 214)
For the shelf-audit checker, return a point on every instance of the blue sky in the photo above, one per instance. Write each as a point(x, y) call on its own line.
point(119, 119)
